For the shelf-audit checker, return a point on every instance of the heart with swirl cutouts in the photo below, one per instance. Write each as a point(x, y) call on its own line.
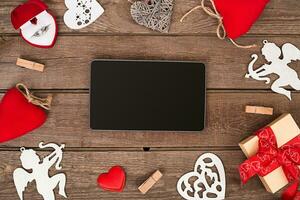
point(154, 14)
point(206, 181)
point(18, 116)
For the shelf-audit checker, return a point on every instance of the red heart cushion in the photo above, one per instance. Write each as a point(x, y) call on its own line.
point(18, 116)
point(239, 15)
point(114, 180)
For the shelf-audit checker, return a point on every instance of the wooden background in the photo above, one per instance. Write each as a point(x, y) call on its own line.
point(115, 35)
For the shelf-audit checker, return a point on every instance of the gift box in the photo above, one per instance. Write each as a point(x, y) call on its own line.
point(286, 133)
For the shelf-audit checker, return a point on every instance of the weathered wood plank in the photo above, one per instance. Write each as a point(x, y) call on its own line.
point(280, 17)
point(227, 124)
point(68, 63)
point(83, 168)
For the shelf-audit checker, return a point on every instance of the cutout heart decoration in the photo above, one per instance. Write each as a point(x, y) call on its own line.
point(18, 115)
point(114, 180)
point(235, 17)
point(210, 180)
point(153, 14)
point(37, 27)
point(82, 13)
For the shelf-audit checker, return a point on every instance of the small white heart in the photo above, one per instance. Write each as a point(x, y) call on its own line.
point(202, 170)
point(81, 13)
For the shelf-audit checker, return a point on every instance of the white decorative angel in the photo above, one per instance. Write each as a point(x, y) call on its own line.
point(40, 172)
point(277, 65)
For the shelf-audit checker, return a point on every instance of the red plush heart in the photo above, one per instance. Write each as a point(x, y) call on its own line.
point(114, 180)
point(239, 15)
point(18, 116)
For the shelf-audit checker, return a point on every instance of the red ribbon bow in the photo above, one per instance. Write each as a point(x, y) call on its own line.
point(270, 157)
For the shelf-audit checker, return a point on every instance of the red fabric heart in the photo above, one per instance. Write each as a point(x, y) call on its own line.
point(18, 116)
point(114, 180)
point(239, 15)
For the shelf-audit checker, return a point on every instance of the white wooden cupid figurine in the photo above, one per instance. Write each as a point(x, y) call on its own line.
point(277, 65)
point(39, 172)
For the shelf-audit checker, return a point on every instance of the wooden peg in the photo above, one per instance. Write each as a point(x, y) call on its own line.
point(30, 65)
point(148, 184)
point(259, 110)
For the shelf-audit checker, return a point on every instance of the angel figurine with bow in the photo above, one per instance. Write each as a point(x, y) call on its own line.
point(278, 60)
point(40, 172)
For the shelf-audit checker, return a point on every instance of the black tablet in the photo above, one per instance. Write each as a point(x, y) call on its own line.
point(147, 95)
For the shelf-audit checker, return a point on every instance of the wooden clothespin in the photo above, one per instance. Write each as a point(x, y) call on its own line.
point(148, 184)
point(259, 110)
point(30, 65)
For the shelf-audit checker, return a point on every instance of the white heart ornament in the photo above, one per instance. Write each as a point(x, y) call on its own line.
point(207, 165)
point(81, 13)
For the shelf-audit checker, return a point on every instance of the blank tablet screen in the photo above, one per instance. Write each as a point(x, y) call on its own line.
point(147, 95)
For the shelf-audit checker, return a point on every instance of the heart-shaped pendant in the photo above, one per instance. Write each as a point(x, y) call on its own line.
point(114, 180)
point(82, 13)
point(210, 180)
point(18, 116)
point(154, 14)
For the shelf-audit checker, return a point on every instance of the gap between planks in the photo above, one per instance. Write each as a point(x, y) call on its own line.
point(154, 34)
point(134, 149)
point(211, 90)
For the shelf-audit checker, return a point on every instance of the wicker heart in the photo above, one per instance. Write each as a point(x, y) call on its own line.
point(155, 15)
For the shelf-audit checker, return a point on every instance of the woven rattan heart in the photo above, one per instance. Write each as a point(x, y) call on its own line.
point(155, 15)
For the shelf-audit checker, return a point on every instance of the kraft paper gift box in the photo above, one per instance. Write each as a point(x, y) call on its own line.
point(285, 129)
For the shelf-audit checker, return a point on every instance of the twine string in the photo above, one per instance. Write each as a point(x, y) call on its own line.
point(42, 102)
point(242, 46)
point(221, 32)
